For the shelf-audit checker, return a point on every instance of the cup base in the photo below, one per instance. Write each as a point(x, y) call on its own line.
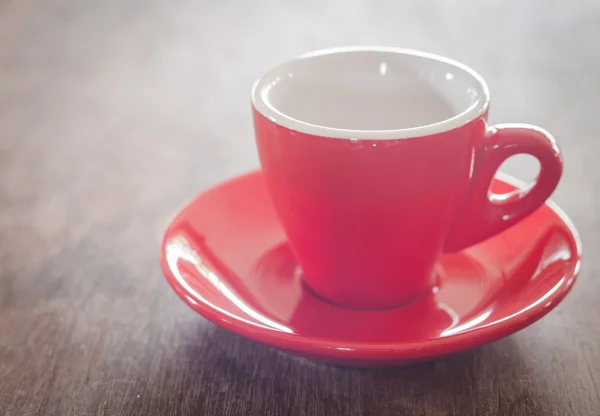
point(428, 290)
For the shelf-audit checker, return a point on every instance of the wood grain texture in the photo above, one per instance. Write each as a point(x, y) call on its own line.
point(113, 113)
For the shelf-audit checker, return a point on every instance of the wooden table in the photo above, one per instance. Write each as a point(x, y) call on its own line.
point(113, 113)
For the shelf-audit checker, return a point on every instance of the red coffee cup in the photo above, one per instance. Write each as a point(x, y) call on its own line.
point(378, 160)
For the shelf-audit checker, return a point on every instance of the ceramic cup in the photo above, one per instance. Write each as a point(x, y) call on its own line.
point(379, 160)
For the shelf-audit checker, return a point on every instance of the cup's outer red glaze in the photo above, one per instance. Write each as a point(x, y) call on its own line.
point(368, 219)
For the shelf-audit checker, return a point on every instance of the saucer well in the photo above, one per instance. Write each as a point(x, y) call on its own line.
point(225, 254)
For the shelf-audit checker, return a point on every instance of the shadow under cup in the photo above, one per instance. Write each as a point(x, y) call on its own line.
point(368, 156)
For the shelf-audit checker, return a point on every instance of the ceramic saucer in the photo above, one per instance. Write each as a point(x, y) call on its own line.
point(226, 256)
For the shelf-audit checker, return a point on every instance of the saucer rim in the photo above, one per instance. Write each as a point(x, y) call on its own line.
point(384, 350)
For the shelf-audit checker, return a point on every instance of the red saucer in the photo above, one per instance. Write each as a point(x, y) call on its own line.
point(226, 256)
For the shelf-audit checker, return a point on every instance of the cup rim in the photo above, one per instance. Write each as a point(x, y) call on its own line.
point(475, 110)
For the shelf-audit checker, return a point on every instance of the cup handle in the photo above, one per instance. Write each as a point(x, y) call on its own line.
point(486, 214)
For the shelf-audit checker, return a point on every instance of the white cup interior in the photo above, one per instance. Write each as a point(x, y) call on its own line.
point(370, 93)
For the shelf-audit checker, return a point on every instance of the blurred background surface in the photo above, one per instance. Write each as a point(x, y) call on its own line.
point(113, 113)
